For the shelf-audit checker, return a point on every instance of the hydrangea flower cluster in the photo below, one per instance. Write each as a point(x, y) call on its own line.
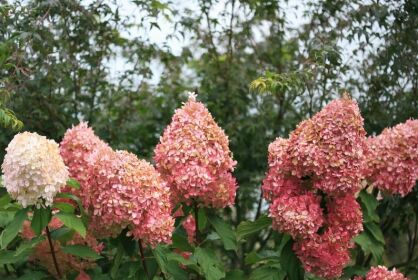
point(189, 225)
point(76, 146)
point(311, 182)
point(67, 263)
point(382, 273)
point(128, 192)
point(392, 164)
point(33, 169)
point(194, 158)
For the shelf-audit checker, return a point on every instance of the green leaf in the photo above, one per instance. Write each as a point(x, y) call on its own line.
point(62, 234)
point(375, 231)
point(5, 199)
point(73, 222)
point(169, 262)
point(22, 252)
point(33, 275)
point(202, 219)
point(209, 263)
point(370, 245)
point(12, 229)
point(248, 228)
point(40, 219)
point(267, 273)
point(27, 246)
point(266, 255)
point(64, 207)
point(351, 271)
point(81, 251)
point(290, 263)
point(117, 261)
point(369, 204)
point(74, 198)
point(180, 242)
point(235, 274)
point(225, 231)
point(73, 183)
point(6, 217)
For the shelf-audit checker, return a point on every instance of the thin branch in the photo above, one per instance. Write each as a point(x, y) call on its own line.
point(144, 263)
point(54, 258)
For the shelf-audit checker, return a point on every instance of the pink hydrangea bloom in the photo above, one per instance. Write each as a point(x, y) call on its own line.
point(189, 224)
point(76, 146)
point(311, 182)
point(300, 216)
point(344, 217)
point(128, 192)
point(323, 255)
point(382, 273)
point(193, 156)
point(330, 148)
point(392, 164)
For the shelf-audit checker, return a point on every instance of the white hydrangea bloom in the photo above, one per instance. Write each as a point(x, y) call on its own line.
point(33, 169)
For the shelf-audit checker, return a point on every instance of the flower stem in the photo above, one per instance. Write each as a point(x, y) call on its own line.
point(196, 220)
point(54, 258)
point(144, 264)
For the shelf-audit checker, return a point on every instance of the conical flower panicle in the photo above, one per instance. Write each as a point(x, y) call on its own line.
point(392, 163)
point(128, 192)
point(330, 148)
point(76, 146)
point(193, 156)
point(33, 169)
point(319, 165)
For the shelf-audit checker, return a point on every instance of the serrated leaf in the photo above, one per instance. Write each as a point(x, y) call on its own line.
point(209, 263)
point(248, 228)
point(12, 229)
point(40, 219)
point(81, 251)
point(225, 232)
point(375, 231)
point(370, 245)
point(73, 222)
point(368, 204)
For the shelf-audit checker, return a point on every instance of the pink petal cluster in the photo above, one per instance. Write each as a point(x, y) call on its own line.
point(189, 225)
point(392, 164)
point(128, 192)
point(311, 182)
point(67, 263)
point(75, 148)
point(34, 171)
point(322, 255)
point(382, 273)
point(193, 156)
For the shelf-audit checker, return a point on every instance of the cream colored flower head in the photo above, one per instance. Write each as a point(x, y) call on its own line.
point(33, 169)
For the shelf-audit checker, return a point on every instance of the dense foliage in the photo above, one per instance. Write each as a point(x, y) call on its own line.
point(259, 76)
